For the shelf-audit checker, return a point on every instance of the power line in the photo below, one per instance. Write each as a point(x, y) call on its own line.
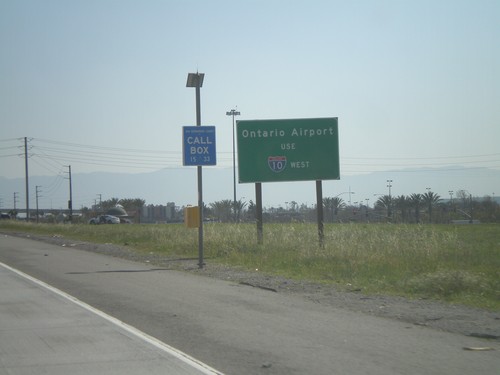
point(44, 163)
point(127, 150)
point(420, 164)
point(83, 154)
point(423, 158)
point(52, 154)
point(419, 170)
point(9, 155)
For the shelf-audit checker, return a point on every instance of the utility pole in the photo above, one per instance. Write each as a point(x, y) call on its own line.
point(15, 203)
point(100, 202)
point(471, 208)
point(37, 196)
point(70, 202)
point(27, 183)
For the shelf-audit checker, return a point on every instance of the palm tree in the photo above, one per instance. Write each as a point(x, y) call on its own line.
point(222, 209)
point(110, 203)
point(416, 201)
point(238, 208)
point(431, 199)
point(130, 204)
point(385, 201)
point(402, 203)
point(334, 204)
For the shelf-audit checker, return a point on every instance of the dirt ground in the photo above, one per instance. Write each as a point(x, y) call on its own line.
point(438, 315)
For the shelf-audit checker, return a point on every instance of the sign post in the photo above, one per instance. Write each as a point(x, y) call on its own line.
point(196, 80)
point(289, 150)
point(198, 150)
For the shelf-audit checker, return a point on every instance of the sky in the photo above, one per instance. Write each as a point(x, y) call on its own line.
point(101, 84)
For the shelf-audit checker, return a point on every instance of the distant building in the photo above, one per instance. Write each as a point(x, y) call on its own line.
point(159, 213)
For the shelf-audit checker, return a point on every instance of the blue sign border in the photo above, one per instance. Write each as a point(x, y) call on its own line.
point(198, 146)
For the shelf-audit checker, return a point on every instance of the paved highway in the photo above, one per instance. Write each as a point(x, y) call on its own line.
point(45, 331)
point(237, 329)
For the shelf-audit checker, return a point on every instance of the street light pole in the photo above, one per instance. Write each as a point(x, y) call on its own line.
point(233, 113)
point(389, 185)
point(389, 210)
point(350, 192)
point(196, 80)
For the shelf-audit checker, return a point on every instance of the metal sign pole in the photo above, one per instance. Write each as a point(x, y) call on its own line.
point(319, 210)
point(200, 185)
point(258, 212)
point(196, 80)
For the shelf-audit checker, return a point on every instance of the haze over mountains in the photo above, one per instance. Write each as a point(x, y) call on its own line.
point(180, 186)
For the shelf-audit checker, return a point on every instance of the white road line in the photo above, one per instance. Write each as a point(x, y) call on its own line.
point(193, 362)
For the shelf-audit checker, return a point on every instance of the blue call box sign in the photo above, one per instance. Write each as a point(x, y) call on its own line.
point(198, 145)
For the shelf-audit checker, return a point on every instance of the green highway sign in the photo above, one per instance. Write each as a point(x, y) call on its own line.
point(288, 150)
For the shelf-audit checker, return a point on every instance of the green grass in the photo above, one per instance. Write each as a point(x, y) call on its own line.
point(458, 264)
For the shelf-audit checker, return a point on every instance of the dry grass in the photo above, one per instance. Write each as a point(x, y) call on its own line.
point(453, 263)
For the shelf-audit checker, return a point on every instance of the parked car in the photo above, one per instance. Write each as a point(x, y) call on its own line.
point(104, 219)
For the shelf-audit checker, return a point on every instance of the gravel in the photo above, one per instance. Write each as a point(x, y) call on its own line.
point(434, 314)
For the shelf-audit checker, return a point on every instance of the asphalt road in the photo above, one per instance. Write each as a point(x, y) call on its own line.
point(46, 331)
point(238, 329)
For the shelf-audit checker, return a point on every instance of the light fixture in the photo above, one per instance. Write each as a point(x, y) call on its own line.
point(195, 79)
